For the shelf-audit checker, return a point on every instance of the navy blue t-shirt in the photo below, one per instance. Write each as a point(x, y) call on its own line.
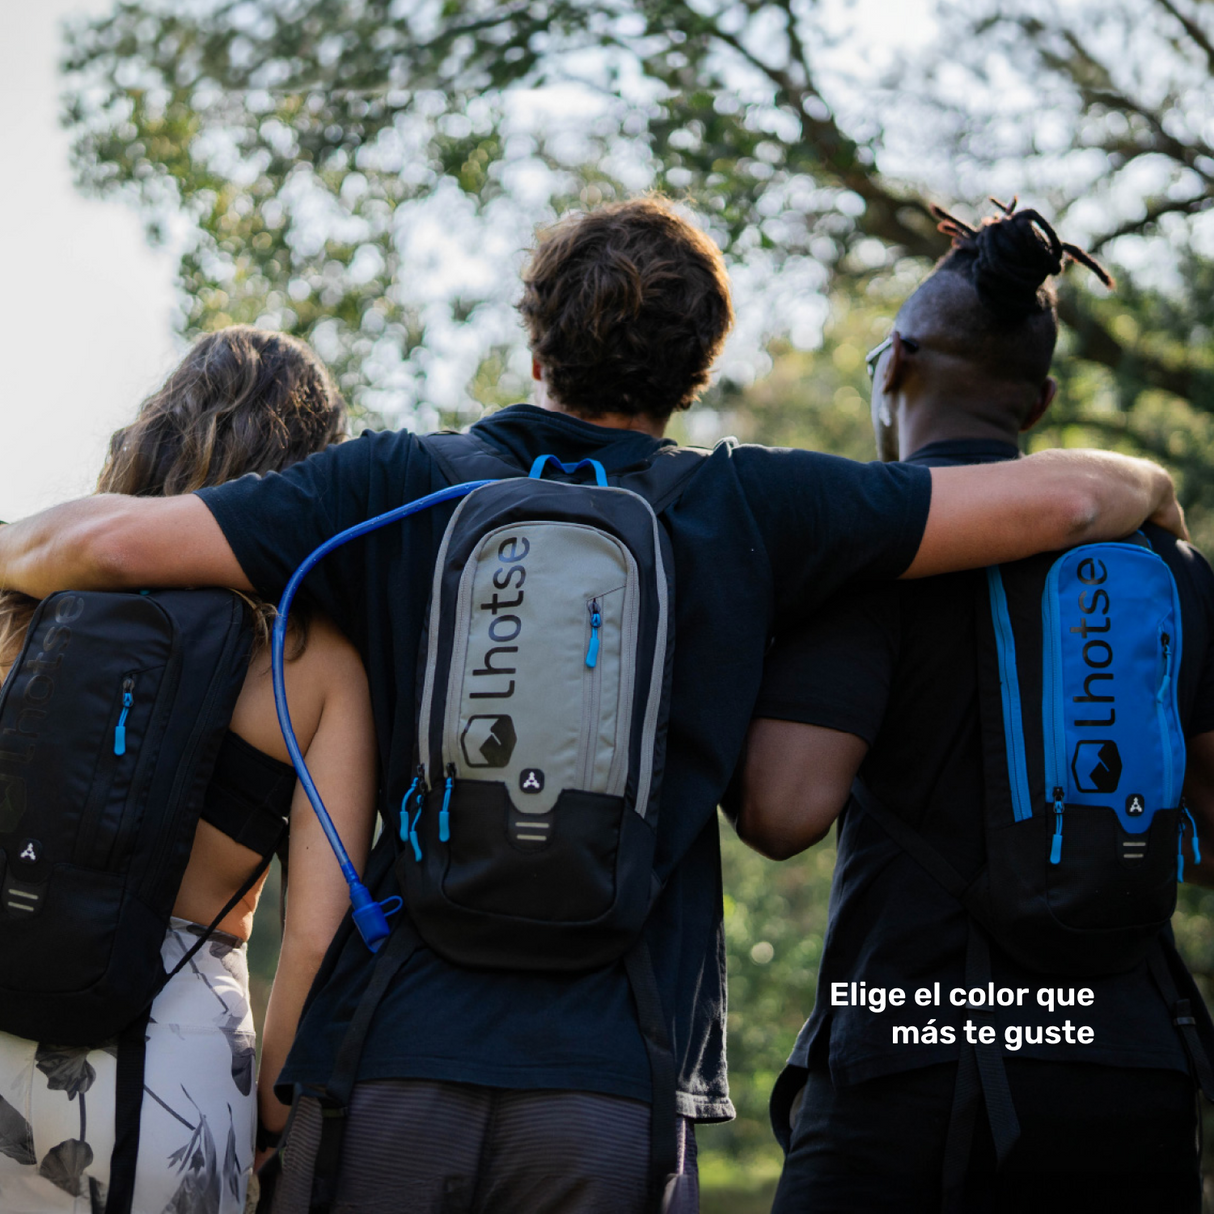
point(895, 665)
point(758, 535)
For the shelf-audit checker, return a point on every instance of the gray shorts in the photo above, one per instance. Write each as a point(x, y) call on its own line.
point(428, 1147)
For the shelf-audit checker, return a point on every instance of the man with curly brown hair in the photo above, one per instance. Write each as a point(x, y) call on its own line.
point(507, 1091)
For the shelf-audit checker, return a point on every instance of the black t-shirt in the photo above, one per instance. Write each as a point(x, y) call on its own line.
point(759, 535)
point(895, 665)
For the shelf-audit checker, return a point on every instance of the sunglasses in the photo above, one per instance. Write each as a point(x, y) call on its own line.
point(874, 355)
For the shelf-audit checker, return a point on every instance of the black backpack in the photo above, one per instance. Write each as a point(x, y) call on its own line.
point(111, 720)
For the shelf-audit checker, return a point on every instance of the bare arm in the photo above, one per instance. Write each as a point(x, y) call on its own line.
point(989, 513)
point(1199, 796)
point(795, 783)
point(113, 542)
point(341, 757)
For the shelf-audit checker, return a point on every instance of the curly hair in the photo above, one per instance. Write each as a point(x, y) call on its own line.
point(242, 400)
point(627, 308)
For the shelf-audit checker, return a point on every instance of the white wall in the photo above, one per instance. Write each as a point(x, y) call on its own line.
point(85, 306)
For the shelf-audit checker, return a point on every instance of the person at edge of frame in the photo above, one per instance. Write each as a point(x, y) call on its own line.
point(883, 683)
point(472, 1082)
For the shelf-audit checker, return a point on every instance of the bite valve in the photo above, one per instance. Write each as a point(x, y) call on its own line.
point(371, 917)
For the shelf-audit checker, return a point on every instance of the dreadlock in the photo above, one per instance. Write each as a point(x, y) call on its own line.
point(1007, 262)
point(1010, 257)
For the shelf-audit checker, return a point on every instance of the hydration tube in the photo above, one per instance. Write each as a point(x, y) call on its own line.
point(370, 916)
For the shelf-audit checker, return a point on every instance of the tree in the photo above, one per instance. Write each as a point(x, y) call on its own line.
point(317, 147)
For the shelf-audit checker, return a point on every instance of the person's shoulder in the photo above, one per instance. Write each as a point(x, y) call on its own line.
point(1187, 563)
point(328, 655)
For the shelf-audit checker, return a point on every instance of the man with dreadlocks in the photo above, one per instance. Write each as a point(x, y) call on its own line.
point(884, 683)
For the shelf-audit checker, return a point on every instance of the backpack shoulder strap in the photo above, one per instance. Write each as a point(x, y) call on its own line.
point(911, 841)
point(467, 457)
point(662, 480)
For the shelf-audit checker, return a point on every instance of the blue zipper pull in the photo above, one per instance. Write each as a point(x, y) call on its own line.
point(128, 698)
point(596, 622)
point(1056, 845)
point(1196, 847)
point(408, 829)
point(1166, 681)
point(444, 816)
point(1180, 848)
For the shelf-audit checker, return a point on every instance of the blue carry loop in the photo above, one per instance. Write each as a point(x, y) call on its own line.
point(370, 917)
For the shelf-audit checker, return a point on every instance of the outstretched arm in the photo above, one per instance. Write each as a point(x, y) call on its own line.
point(114, 542)
point(989, 513)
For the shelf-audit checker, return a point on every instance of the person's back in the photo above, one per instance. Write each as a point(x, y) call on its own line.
point(887, 684)
point(242, 401)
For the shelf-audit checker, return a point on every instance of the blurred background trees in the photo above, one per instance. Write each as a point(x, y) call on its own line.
point(368, 173)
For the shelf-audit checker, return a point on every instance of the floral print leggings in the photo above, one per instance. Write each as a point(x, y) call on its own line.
point(199, 1105)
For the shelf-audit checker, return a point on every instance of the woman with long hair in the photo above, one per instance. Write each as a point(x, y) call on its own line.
point(242, 401)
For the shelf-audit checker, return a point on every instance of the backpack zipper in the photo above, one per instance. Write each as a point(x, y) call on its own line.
point(1009, 689)
point(1161, 711)
point(1053, 727)
point(596, 622)
point(1056, 845)
point(408, 828)
point(592, 695)
point(444, 814)
point(1180, 843)
point(128, 699)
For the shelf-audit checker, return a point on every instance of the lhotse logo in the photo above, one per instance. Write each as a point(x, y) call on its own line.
point(503, 629)
point(19, 741)
point(1096, 764)
point(488, 741)
point(1097, 767)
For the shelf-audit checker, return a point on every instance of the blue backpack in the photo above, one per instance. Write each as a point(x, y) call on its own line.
point(1083, 821)
point(1083, 758)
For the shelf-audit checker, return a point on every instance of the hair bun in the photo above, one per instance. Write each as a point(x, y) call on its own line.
point(1016, 253)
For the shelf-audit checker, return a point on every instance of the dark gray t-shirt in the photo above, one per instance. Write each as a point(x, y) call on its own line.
point(759, 535)
point(896, 666)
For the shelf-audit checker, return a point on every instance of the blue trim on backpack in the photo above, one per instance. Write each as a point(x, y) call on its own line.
point(1141, 657)
point(1009, 687)
point(369, 916)
point(541, 462)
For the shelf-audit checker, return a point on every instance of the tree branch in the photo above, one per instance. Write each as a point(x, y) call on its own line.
point(1192, 29)
point(1154, 211)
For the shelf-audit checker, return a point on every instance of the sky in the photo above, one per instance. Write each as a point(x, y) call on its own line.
point(86, 330)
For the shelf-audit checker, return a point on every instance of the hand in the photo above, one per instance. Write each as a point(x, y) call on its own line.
point(1170, 516)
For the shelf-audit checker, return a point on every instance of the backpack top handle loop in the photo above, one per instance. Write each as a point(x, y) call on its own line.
point(541, 463)
point(370, 917)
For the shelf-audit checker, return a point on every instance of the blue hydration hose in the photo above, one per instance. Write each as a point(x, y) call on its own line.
point(370, 916)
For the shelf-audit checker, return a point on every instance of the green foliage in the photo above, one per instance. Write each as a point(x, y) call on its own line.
point(775, 923)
